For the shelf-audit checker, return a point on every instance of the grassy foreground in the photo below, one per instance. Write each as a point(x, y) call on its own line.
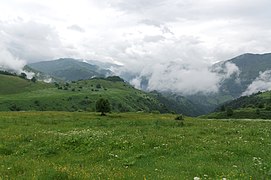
point(61, 145)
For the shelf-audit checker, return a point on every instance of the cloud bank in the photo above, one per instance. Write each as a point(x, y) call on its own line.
point(184, 79)
point(9, 62)
point(261, 83)
point(172, 42)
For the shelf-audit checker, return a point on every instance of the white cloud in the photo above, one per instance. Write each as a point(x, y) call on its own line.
point(9, 62)
point(142, 35)
point(186, 79)
point(261, 83)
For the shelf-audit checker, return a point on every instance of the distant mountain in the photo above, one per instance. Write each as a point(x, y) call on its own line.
point(68, 69)
point(250, 65)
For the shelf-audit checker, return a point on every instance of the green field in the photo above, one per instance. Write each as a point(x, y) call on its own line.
point(81, 145)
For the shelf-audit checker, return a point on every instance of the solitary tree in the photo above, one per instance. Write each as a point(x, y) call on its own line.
point(103, 106)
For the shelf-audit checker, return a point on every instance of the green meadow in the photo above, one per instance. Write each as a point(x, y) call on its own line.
point(83, 145)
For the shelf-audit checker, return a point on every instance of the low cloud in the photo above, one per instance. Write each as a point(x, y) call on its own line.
point(261, 83)
point(10, 63)
point(186, 79)
point(30, 40)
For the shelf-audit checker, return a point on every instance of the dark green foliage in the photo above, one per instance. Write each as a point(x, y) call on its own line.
point(7, 73)
point(229, 112)
point(258, 111)
point(252, 101)
point(33, 79)
point(23, 75)
point(98, 86)
point(176, 103)
point(261, 105)
point(114, 79)
point(14, 107)
point(268, 107)
point(222, 108)
point(103, 106)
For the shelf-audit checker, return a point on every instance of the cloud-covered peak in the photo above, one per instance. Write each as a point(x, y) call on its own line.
point(137, 33)
point(261, 83)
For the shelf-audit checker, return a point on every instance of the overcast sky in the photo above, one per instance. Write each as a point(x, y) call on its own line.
point(136, 33)
point(130, 31)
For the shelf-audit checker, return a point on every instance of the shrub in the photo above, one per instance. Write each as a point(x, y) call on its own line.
point(34, 79)
point(179, 117)
point(98, 86)
point(229, 112)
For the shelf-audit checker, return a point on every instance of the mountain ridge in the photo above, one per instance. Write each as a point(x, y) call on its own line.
point(69, 69)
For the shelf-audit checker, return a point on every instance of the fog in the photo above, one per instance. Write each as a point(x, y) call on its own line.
point(261, 83)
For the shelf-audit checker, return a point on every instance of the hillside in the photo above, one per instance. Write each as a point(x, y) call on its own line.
point(250, 66)
point(20, 94)
point(12, 84)
point(69, 69)
point(255, 106)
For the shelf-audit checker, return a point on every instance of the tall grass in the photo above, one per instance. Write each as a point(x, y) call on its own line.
point(61, 145)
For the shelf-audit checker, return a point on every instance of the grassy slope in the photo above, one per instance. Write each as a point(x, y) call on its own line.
point(78, 96)
point(242, 113)
point(14, 84)
point(255, 106)
point(60, 145)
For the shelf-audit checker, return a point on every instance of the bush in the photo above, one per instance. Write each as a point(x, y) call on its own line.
point(34, 79)
point(98, 86)
point(179, 117)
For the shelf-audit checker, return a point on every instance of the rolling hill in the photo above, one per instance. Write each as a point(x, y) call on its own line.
point(255, 106)
point(12, 84)
point(19, 94)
